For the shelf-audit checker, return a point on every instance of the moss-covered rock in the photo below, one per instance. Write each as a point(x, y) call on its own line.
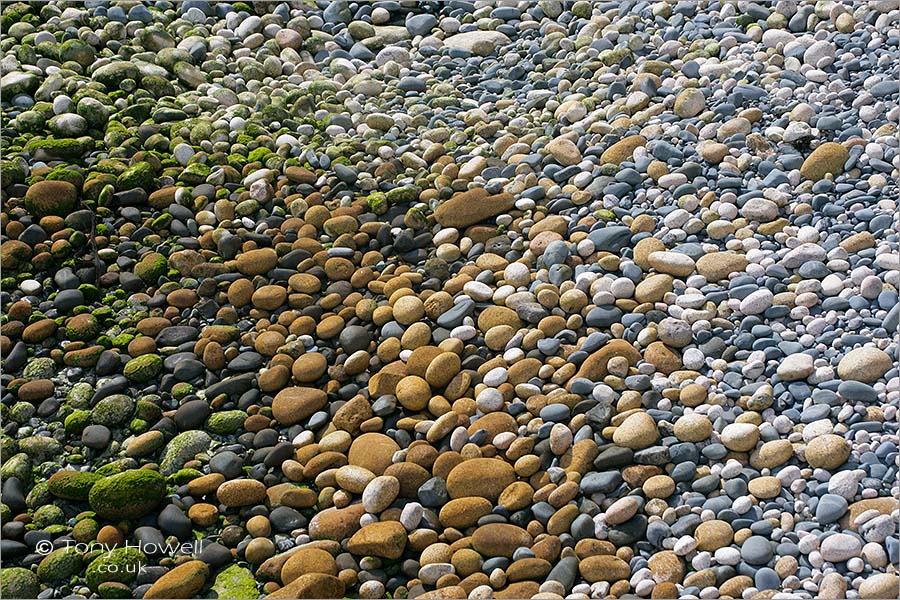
point(182, 448)
point(113, 411)
point(18, 465)
point(86, 530)
point(114, 73)
point(182, 476)
point(39, 496)
point(235, 582)
point(158, 86)
point(60, 564)
point(194, 173)
point(51, 198)
point(46, 515)
point(72, 485)
point(226, 421)
point(78, 51)
point(121, 565)
point(94, 112)
point(21, 412)
point(80, 395)
point(143, 368)
point(82, 327)
point(65, 174)
point(114, 468)
point(153, 266)
point(40, 368)
point(128, 495)
point(65, 148)
point(13, 171)
point(16, 582)
point(141, 175)
point(40, 447)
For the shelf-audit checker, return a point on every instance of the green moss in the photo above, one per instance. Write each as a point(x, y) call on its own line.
point(195, 173)
point(18, 465)
point(60, 564)
point(258, 154)
point(46, 515)
point(83, 329)
point(122, 340)
point(78, 51)
point(147, 410)
point(183, 476)
point(141, 175)
point(16, 582)
point(152, 267)
point(121, 565)
point(402, 195)
point(114, 410)
point(128, 495)
point(12, 171)
point(65, 148)
point(64, 174)
point(39, 496)
point(86, 529)
point(72, 485)
point(77, 421)
point(235, 582)
point(143, 368)
point(182, 389)
point(225, 422)
point(113, 468)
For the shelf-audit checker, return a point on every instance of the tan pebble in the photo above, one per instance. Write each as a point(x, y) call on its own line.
point(500, 539)
point(482, 477)
point(258, 550)
point(693, 428)
point(764, 487)
point(257, 262)
point(383, 539)
point(666, 566)
point(740, 437)
point(712, 535)
point(464, 512)
point(772, 454)
point(638, 431)
point(295, 404)
point(880, 585)
point(827, 451)
point(307, 560)
point(413, 393)
point(203, 514)
point(603, 568)
point(659, 486)
point(241, 492)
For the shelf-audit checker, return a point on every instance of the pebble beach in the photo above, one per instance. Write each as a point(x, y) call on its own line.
point(458, 299)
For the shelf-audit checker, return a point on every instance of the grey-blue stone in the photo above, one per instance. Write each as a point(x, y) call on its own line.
point(556, 253)
point(756, 550)
point(831, 507)
point(610, 239)
point(857, 391)
point(603, 482)
point(421, 24)
point(603, 316)
point(564, 572)
point(767, 579)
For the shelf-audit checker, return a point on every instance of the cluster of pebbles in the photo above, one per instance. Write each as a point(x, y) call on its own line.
point(456, 299)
